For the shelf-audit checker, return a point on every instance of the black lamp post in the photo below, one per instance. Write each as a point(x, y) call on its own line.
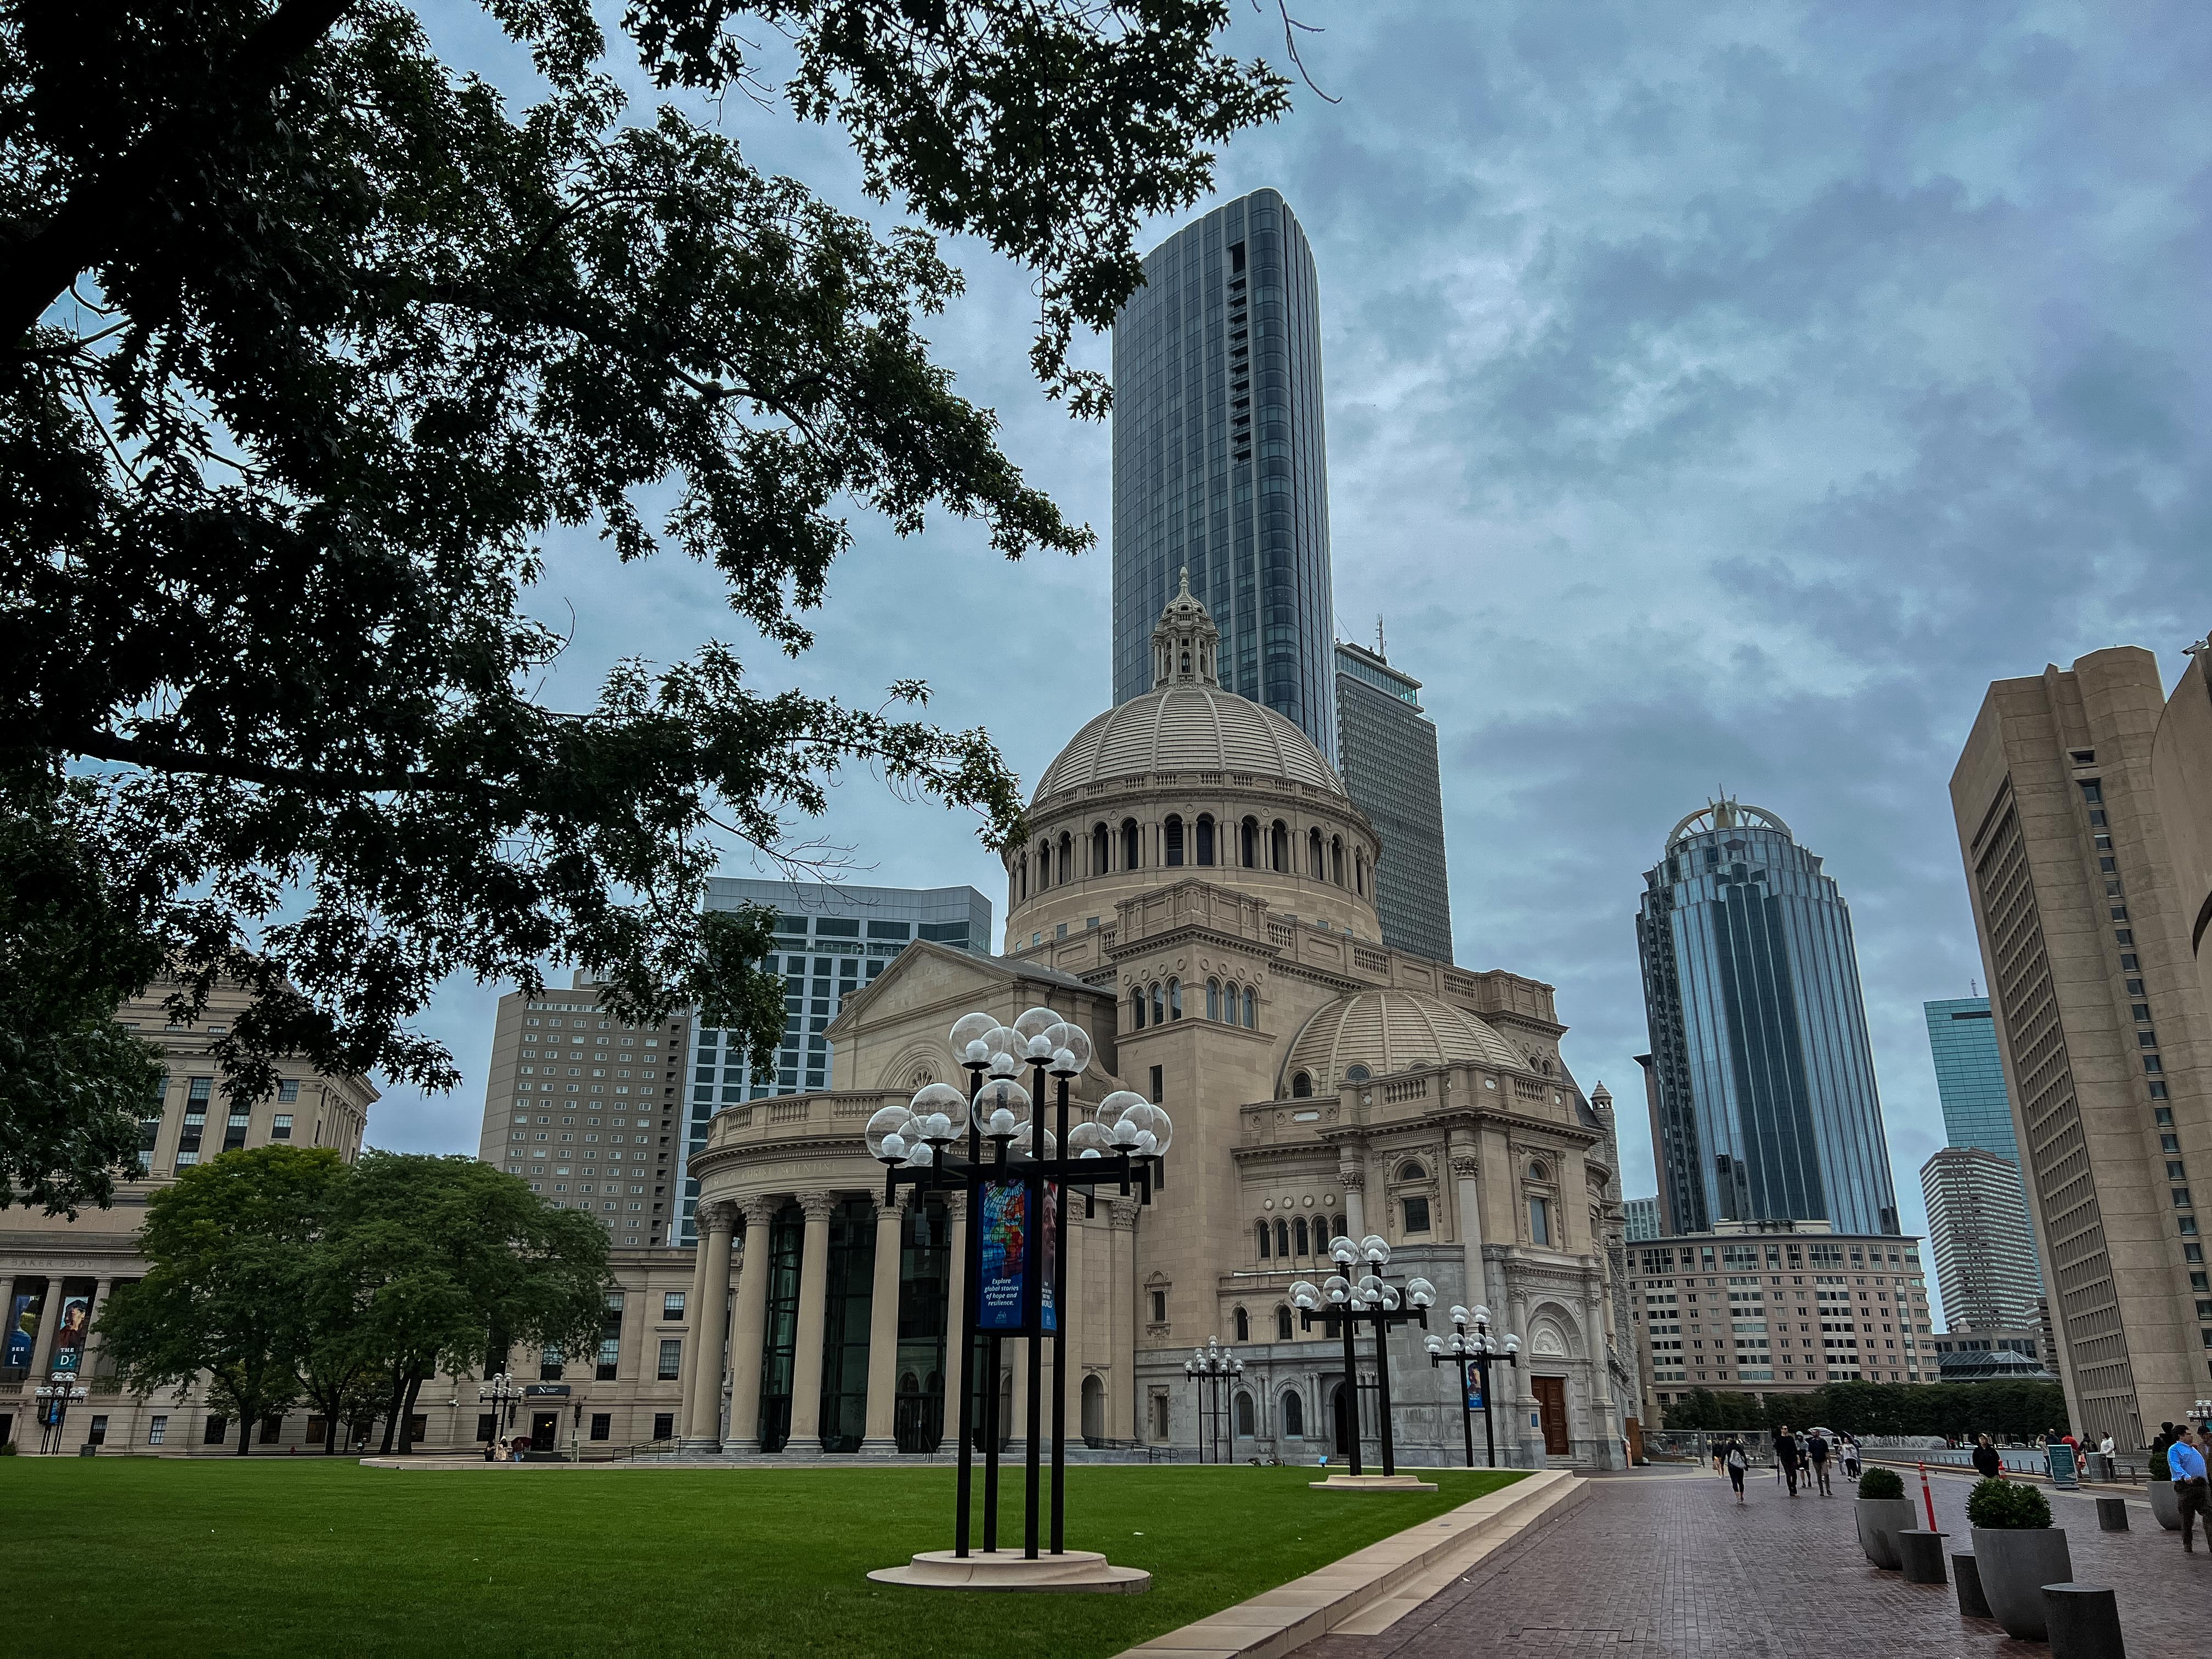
point(503, 1394)
point(1475, 1350)
point(1017, 1175)
point(1346, 1304)
point(1213, 1370)
point(53, 1399)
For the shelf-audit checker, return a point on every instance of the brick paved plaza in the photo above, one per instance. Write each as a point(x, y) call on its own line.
point(1660, 1562)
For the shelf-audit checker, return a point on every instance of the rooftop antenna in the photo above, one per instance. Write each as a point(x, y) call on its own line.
point(1379, 650)
point(1974, 986)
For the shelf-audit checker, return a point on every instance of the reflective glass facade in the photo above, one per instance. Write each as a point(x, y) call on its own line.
point(1220, 463)
point(1763, 1072)
point(1389, 766)
point(1969, 1076)
point(835, 939)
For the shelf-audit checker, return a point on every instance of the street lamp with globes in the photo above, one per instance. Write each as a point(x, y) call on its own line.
point(1474, 1350)
point(1213, 1370)
point(1348, 1303)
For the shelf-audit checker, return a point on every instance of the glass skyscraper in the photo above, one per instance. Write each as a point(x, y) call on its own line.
point(1220, 460)
point(834, 939)
point(1388, 764)
point(1969, 1076)
point(1763, 1075)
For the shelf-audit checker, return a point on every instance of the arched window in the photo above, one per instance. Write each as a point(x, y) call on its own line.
point(1538, 1172)
point(1067, 856)
point(1159, 1005)
point(1248, 843)
point(1229, 1003)
point(1132, 844)
point(1359, 873)
point(1315, 866)
point(1248, 1008)
point(1301, 1085)
point(1298, 1233)
point(1267, 1240)
point(1243, 1415)
point(1175, 839)
point(1356, 1072)
point(1025, 868)
point(1175, 999)
point(1336, 859)
point(1044, 865)
point(1282, 1237)
point(1412, 1171)
point(1244, 1326)
point(1205, 838)
point(1137, 1009)
point(1282, 1324)
point(1213, 998)
point(1102, 850)
point(1337, 1229)
point(1279, 847)
point(1094, 1410)
point(1294, 1416)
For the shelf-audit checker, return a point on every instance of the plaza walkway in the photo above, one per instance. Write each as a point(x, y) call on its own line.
point(1663, 1563)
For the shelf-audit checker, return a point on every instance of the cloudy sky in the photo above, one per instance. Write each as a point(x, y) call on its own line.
point(1716, 396)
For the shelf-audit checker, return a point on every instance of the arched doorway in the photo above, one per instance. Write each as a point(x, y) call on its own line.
point(1094, 1410)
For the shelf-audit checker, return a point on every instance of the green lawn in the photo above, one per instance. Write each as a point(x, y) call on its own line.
point(293, 1556)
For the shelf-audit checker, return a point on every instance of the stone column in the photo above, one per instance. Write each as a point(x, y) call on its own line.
point(42, 1339)
point(1354, 1177)
point(750, 1328)
point(1073, 1315)
point(1467, 1173)
point(93, 1344)
point(1121, 1401)
point(702, 1402)
point(695, 1340)
point(813, 1316)
point(956, 1314)
point(880, 1435)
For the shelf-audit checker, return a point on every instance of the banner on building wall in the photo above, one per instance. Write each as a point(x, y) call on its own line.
point(76, 1325)
point(1003, 1305)
point(23, 1326)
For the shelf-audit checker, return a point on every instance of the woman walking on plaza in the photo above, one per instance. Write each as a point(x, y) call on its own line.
point(1986, 1461)
point(1735, 1460)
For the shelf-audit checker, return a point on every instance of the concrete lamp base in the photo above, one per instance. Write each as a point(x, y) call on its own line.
point(1372, 1483)
point(1074, 1572)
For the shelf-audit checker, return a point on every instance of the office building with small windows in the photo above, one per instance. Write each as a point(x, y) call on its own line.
point(833, 939)
point(2078, 798)
point(1220, 461)
point(1388, 757)
point(584, 1106)
point(1642, 1216)
point(1778, 1309)
point(1761, 1069)
point(57, 1273)
point(1982, 1240)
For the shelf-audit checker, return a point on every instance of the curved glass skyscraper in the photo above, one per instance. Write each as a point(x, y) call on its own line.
point(1219, 462)
point(1766, 1108)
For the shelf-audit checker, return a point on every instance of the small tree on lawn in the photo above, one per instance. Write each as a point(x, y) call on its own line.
point(230, 1251)
point(437, 1252)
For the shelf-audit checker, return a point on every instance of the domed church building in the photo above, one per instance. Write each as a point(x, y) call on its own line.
point(1196, 889)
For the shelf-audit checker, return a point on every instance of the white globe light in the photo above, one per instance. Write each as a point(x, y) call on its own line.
point(971, 1029)
point(1003, 1124)
point(1339, 1288)
point(921, 1157)
point(936, 1100)
point(1003, 1065)
point(1344, 1253)
point(1375, 1250)
point(1074, 1040)
point(1458, 1315)
point(1482, 1315)
point(893, 1147)
point(1090, 1140)
point(1110, 1109)
point(889, 1120)
point(1419, 1293)
point(1036, 1022)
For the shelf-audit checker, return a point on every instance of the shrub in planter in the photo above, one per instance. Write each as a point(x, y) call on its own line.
point(1882, 1512)
point(2017, 1551)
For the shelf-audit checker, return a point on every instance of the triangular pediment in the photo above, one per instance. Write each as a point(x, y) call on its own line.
point(890, 1031)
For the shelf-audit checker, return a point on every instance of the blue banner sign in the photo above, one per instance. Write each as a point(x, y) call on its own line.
point(1473, 1396)
point(1006, 1267)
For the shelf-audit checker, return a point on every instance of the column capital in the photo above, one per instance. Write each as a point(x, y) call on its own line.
point(757, 1211)
point(1353, 1180)
point(956, 1206)
point(718, 1216)
point(895, 1207)
point(1124, 1213)
point(1465, 1166)
point(818, 1206)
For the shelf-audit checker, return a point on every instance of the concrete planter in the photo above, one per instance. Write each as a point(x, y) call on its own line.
point(1880, 1519)
point(2015, 1564)
point(2165, 1506)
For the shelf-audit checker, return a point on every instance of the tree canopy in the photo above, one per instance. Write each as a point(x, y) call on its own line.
point(2007, 1410)
point(310, 340)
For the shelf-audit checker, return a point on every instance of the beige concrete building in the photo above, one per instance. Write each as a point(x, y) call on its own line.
point(57, 1273)
point(1754, 1308)
point(583, 1106)
point(1196, 890)
point(1980, 1236)
point(2080, 800)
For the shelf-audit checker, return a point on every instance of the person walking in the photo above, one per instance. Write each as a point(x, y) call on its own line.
point(1734, 1460)
point(1816, 1448)
point(1786, 1454)
point(1987, 1462)
point(2185, 1460)
point(1851, 1465)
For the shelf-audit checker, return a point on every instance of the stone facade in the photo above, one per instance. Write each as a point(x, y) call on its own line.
point(1195, 891)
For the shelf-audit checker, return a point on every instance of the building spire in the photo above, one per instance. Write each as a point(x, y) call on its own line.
point(1185, 644)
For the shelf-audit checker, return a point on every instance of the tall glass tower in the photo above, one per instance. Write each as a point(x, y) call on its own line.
point(1969, 1076)
point(1389, 765)
point(1763, 1073)
point(1220, 460)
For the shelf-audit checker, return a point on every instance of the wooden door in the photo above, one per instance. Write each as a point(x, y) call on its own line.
point(1552, 1410)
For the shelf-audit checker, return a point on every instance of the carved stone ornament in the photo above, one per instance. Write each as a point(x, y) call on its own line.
point(1466, 1168)
point(818, 1206)
point(1354, 1180)
point(1125, 1213)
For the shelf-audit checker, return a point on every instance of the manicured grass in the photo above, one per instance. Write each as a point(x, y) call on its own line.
point(299, 1555)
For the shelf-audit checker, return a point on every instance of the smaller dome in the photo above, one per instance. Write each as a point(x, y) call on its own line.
point(1387, 1032)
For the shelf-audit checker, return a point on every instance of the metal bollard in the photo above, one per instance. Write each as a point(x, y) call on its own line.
point(1920, 1554)
point(2112, 1515)
point(2084, 1621)
point(1967, 1576)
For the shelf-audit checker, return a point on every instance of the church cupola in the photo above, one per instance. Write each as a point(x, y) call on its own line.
point(1185, 643)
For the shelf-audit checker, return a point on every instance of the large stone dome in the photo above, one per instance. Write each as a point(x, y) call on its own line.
point(1389, 1032)
point(1188, 727)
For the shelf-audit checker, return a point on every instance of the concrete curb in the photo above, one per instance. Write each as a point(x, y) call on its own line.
point(1371, 1588)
